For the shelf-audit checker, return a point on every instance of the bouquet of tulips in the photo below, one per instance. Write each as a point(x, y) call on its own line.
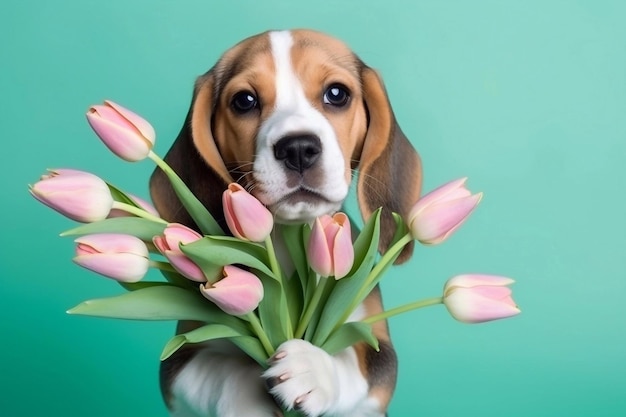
point(233, 281)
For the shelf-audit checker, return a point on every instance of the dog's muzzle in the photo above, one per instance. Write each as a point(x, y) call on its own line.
point(298, 152)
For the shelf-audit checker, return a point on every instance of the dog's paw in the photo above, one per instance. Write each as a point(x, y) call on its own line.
point(303, 377)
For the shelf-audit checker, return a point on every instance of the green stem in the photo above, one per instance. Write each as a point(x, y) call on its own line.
point(271, 253)
point(258, 329)
point(310, 309)
point(163, 266)
point(403, 309)
point(387, 258)
point(128, 208)
point(200, 215)
point(384, 262)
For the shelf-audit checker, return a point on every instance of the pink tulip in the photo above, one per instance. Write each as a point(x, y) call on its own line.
point(238, 293)
point(479, 298)
point(439, 213)
point(247, 217)
point(169, 246)
point(126, 134)
point(330, 250)
point(79, 195)
point(121, 257)
point(143, 204)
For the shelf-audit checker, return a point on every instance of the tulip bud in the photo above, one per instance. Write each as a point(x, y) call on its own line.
point(439, 213)
point(479, 298)
point(169, 246)
point(238, 293)
point(118, 256)
point(79, 195)
point(330, 250)
point(247, 217)
point(126, 134)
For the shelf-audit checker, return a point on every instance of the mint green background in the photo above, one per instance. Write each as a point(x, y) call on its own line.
point(527, 98)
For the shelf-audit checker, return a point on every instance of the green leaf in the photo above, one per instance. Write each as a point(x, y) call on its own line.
point(401, 228)
point(344, 296)
point(295, 297)
point(134, 286)
point(214, 252)
point(273, 310)
point(178, 280)
point(201, 334)
point(142, 228)
point(121, 196)
point(349, 334)
point(315, 319)
point(253, 348)
point(200, 215)
point(162, 302)
point(295, 238)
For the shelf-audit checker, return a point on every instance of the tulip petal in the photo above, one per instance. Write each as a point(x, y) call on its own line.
point(78, 195)
point(122, 141)
point(184, 265)
point(177, 234)
point(343, 252)
point(111, 243)
point(318, 252)
point(141, 124)
point(436, 223)
point(475, 280)
point(238, 293)
point(438, 194)
point(124, 267)
point(468, 306)
point(254, 219)
point(247, 217)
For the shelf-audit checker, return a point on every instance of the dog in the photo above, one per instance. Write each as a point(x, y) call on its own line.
point(291, 116)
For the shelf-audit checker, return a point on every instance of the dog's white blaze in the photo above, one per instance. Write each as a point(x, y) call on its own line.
point(293, 114)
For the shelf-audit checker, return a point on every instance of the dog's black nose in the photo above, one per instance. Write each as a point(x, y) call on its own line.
point(298, 152)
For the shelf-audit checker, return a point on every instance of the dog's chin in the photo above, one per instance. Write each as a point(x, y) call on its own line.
point(302, 207)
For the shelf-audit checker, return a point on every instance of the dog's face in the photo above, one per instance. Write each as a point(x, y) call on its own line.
point(289, 121)
point(290, 115)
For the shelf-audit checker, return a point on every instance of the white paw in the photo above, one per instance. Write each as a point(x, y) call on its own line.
point(303, 377)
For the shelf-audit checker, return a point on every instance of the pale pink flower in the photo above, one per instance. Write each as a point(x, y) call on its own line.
point(330, 251)
point(79, 195)
point(118, 256)
point(475, 298)
point(169, 245)
point(126, 134)
point(439, 213)
point(238, 293)
point(247, 217)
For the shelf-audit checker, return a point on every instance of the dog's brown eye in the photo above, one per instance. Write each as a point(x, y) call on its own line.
point(336, 95)
point(244, 101)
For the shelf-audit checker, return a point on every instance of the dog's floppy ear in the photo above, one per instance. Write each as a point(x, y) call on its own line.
point(390, 172)
point(194, 156)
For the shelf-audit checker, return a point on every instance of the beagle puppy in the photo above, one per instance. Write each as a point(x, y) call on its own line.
point(291, 116)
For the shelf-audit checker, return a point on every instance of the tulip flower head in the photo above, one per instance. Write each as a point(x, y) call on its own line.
point(330, 251)
point(126, 134)
point(439, 213)
point(238, 293)
point(247, 217)
point(169, 246)
point(118, 256)
point(79, 195)
point(479, 298)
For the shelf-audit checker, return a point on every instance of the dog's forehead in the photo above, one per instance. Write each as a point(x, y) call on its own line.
point(255, 53)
